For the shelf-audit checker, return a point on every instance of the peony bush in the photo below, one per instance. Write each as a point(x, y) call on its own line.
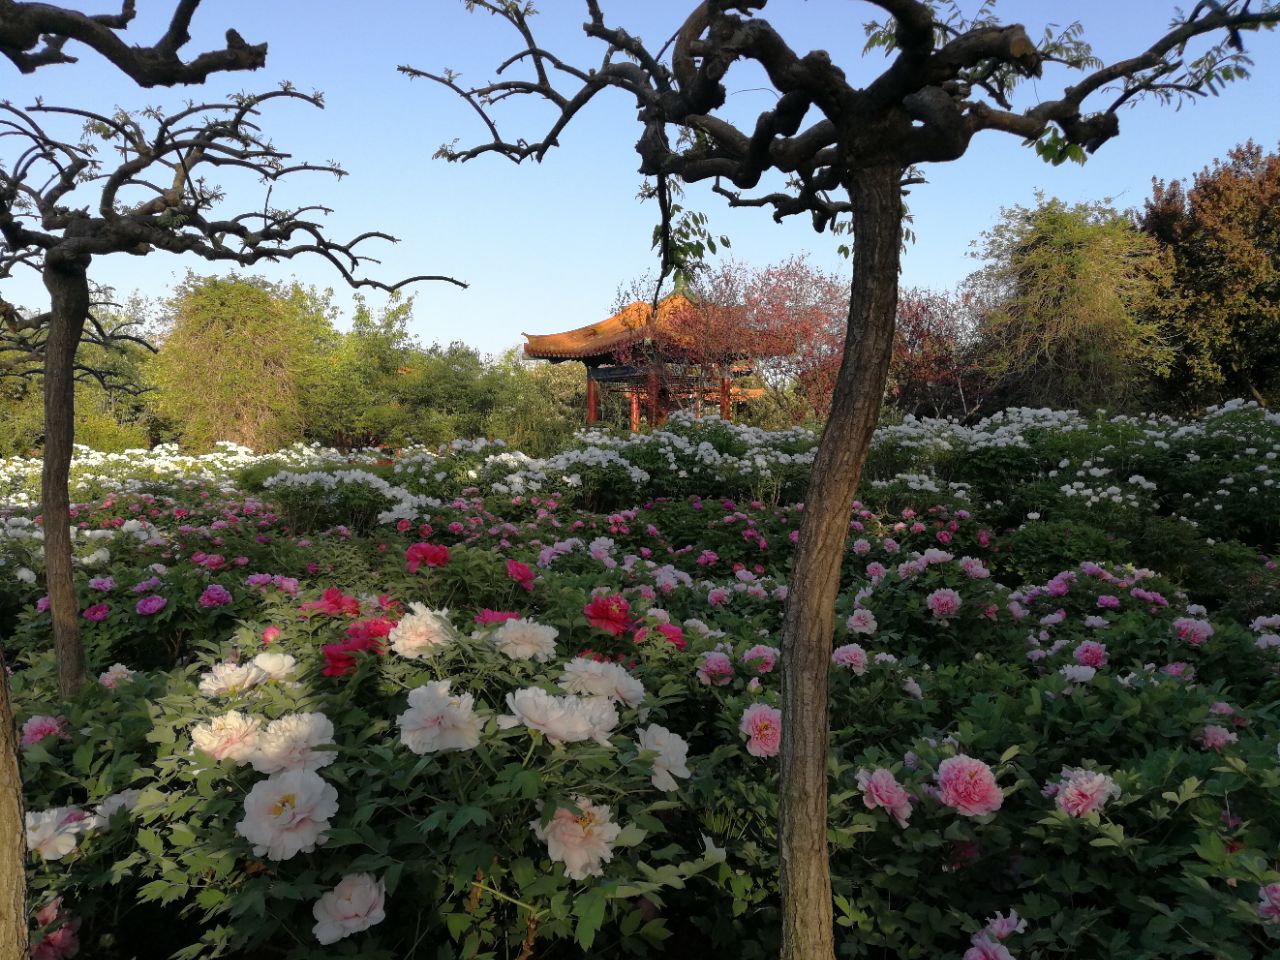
point(515, 715)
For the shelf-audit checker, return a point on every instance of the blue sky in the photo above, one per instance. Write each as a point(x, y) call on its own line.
point(545, 247)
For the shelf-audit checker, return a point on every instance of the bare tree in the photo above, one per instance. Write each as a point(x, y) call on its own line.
point(152, 197)
point(34, 35)
point(843, 149)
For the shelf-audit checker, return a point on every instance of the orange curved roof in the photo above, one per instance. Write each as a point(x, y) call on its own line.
point(630, 325)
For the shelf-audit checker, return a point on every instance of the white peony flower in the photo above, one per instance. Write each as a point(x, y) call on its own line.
point(561, 719)
point(525, 640)
point(117, 674)
point(286, 744)
point(672, 751)
point(52, 833)
point(234, 735)
point(288, 813)
point(227, 679)
point(103, 812)
point(277, 666)
point(421, 631)
point(582, 841)
point(355, 904)
point(437, 720)
point(595, 679)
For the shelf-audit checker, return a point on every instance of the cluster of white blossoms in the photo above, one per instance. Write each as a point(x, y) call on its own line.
point(438, 720)
point(422, 632)
point(286, 743)
point(596, 678)
point(561, 719)
point(228, 679)
point(402, 504)
point(55, 832)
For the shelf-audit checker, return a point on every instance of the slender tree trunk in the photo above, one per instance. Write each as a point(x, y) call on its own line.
point(807, 932)
point(13, 847)
point(68, 286)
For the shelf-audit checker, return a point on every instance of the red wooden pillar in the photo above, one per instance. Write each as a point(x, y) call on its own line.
point(593, 399)
point(635, 409)
point(653, 396)
point(726, 408)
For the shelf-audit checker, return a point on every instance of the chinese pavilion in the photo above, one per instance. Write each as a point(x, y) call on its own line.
point(657, 358)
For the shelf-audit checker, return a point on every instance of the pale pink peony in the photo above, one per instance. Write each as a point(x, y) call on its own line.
point(763, 726)
point(852, 657)
point(1000, 927)
point(355, 904)
point(985, 948)
point(943, 603)
point(582, 841)
point(716, 669)
point(288, 813)
point(1269, 903)
point(1194, 632)
point(117, 675)
point(881, 789)
point(861, 621)
point(60, 943)
point(968, 786)
point(421, 632)
point(1214, 737)
point(232, 736)
point(1084, 791)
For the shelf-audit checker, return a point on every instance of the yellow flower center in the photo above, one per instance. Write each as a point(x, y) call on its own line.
point(285, 803)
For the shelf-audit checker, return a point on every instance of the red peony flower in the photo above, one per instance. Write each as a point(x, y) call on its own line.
point(426, 555)
point(335, 603)
point(521, 573)
point(487, 617)
point(611, 613)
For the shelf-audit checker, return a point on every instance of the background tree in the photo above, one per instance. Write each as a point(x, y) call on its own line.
point(1223, 234)
point(152, 197)
point(242, 360)
point(843, 149)
point(933, 371)
point(1070, 302)
point(34, 35)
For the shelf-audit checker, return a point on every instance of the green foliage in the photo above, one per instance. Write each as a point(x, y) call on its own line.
point(1070, 294)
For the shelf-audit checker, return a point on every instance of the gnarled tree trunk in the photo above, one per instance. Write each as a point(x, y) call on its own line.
point(807, 932)
point(13, 846)
point(67, 281)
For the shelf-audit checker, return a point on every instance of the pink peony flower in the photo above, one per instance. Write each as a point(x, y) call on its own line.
point(150, 605)
point(943, 603)
point(861, 621)
point(214, 595)
point(763, 726)
point(60, 943)
point(968, 786)
point(610, 613)
point(1269, 903)
point(96, 612)
point(271, 635)
point(881, 789)
point(1091, 654)
point(1001, 927)
point(762, 658)
point(582, 841)
point(41, 726)
point(521, 573)
point(985, 948)
point(1213, 737)
point(851, 656)
point(487, 617)
point(716, 669)
point(1084, 791)
point(1194, 632)
point(355, 904)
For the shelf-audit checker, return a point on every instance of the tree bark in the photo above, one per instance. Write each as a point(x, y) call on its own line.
point(13, 847)
point(807, 931)
point(68, 284)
